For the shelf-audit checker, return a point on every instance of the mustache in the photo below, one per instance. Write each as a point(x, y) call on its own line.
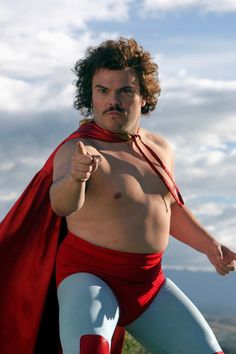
point(115, 108)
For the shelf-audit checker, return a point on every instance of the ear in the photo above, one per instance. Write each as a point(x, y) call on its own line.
point(143, 102)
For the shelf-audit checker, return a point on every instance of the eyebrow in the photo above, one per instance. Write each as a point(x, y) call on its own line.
point(98, 85)
point(120, 88)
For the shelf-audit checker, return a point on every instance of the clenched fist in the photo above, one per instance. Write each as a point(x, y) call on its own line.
point(83, 164)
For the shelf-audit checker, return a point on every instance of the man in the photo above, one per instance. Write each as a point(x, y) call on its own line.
point(121, 203)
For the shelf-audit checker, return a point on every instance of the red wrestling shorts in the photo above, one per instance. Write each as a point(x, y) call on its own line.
point(134, 278)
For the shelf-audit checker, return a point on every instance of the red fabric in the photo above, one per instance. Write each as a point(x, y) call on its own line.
point(134, 278)
point(117, 340)
point(29, 237)
point(93, 344)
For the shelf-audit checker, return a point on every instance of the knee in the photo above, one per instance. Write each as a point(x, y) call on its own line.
point(93, 343)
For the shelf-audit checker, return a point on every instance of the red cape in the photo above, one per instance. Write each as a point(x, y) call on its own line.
point(29, 238)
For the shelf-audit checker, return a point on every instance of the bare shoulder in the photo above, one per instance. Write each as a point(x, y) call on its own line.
point(159, 141)
point(68, 148)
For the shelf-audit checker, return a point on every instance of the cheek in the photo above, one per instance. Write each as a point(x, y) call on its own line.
point(136, 104)
point(97, 103)
point(93, 100)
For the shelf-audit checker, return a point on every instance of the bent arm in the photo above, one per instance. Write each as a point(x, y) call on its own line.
point(187, 229)
point(66, 194)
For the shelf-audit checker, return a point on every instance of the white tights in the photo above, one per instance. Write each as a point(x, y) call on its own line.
point(170, 325)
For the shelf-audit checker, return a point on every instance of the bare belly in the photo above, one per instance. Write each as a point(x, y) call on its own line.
point(137, 227)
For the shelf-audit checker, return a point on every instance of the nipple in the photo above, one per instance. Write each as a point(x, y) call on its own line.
point(117, 195)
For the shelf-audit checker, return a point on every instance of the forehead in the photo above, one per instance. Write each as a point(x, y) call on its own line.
point(115, 78)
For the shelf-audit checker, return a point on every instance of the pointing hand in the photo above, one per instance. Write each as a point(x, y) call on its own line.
point(83, 164)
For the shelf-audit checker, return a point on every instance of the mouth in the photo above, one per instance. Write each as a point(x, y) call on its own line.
point(114, 112)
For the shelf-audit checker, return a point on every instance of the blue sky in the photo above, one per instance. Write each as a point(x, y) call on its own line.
point(193, 43)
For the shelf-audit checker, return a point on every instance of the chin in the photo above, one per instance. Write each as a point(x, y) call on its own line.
point(112, 123)
point(115, 123)
point(117, 127)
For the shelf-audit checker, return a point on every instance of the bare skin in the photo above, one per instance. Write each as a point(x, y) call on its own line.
point(126, 206)
point(109, 194)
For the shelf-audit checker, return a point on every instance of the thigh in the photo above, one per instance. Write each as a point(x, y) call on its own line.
point(86, 306)
point(173, 325)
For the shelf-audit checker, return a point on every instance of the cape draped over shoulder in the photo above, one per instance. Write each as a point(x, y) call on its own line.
point(30, 235)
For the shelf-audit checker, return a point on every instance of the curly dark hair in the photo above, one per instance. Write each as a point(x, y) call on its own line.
point(116, 55)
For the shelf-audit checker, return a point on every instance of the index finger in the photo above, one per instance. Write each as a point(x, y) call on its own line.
point(80, 149)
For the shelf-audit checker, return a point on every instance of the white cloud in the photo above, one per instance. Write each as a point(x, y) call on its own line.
point(40, 43)
point(24, 96)
point(205, 5)
point(200, 112)
point(197, 268)
point(187, 85)
point(19, 95)
point(9, 197)
point(167, 5)
point(6, 166)
point(45, 54)
point(209, 209)
point(205, 170)
point(41, 79)
point(29, 18)
point(219, 6)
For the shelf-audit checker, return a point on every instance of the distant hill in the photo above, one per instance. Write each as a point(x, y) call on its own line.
point(213, 294)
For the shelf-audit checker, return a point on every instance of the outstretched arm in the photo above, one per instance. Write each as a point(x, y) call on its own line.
point(187, 229)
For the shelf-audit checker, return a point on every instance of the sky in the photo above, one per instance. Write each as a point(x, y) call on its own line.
point(194, 44)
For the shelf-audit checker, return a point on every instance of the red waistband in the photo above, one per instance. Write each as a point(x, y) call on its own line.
point(134, 267)
point(118, 256)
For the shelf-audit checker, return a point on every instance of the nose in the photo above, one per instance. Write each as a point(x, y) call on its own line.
point(114, 99)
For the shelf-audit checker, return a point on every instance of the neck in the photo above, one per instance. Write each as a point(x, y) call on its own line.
point(126, 131)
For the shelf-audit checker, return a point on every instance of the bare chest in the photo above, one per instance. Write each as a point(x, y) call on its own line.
point(125, 201)
point(126, 176)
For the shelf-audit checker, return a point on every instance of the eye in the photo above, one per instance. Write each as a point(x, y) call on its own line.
point(128, 90)
point(102, 90)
